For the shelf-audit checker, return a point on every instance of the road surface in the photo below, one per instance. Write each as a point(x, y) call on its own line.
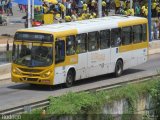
point(12, 95)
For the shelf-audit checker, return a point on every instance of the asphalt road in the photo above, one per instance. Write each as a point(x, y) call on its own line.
point(12, 95)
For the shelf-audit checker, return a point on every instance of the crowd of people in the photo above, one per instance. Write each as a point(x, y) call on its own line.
point(6, 7)
point(73, 10)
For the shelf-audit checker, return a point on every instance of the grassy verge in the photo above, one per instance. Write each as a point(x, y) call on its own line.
point(79, 103)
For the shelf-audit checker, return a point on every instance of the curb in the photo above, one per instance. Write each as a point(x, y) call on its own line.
point(155, 51)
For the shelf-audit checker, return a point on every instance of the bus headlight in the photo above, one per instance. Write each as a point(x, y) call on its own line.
point(16, 71)
point(46, 74)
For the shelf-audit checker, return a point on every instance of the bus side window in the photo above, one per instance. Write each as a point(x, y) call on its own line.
point(144, 32)
point(126, 35)
point(93, 41)
point(59, 51)
point(70, 45)
point(81, 43)
point(115, 37)
point(104, 39)
point(137, 34)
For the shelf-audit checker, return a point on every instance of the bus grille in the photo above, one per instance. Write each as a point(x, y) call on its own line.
point(30, 74)
point(29, 70)
point(32, 79)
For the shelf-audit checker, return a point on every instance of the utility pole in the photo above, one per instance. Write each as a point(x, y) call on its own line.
point(32, 9)
point(131, 4)
point(29, 13)
point(99, 8)
point(149, 19)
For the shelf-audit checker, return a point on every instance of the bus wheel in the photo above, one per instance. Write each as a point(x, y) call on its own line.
point(69, 79)
point(118, 68)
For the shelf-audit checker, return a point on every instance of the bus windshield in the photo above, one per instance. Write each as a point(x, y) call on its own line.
point(32, 56)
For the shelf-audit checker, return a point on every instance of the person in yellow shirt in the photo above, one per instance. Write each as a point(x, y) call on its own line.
point(124, 4)
point(125, 12)
point(74, 15)
point(154, 4)
point(158, 10)
point(93, 5)
point(67, 18)
point(93, 2)
point(62, 9)
point(39, 8)
point(129, 12)
point(145, 12)
point(45, 7)
point(142, 11)
point(84, 7)
point(94, 15)
point(90, 17)
point(104, 7)
point(58, 17)
point(84, 15)
point(117, 4)
point(79, 18)
point(132, 12)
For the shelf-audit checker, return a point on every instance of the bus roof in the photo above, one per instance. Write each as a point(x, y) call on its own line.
point(90, 24)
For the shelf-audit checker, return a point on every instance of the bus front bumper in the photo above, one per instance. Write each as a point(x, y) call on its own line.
point(32, 80)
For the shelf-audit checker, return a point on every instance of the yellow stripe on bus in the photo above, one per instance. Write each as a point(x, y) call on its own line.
point(69, 60)
point(126, 48)
point(132, 22)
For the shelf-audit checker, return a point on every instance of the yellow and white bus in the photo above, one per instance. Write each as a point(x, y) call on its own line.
point(66, 52)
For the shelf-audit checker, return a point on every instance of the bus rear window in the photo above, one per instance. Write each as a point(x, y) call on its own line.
point(22, 36)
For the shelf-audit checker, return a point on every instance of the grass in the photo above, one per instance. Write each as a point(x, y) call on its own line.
point(79, 103)
point(73, 103)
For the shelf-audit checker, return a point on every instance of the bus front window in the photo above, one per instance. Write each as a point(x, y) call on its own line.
point(33, 56)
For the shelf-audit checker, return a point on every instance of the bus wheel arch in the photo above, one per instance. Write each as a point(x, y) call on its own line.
point(70, 79)
point(119, 67)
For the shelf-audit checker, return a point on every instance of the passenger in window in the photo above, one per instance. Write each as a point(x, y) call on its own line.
point(71, 50)
point(118, 41)
point(78, 50)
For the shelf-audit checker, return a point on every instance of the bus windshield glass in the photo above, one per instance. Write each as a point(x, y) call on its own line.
point(32, 56)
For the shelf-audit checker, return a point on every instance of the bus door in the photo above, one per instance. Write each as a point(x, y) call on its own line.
point(115, 43)
point(59, 61)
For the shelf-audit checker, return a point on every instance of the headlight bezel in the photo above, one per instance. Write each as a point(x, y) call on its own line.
point(16, 71)
point(46, 74)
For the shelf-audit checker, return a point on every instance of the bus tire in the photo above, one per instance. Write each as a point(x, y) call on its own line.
point(118, 68)
point(70, 78)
